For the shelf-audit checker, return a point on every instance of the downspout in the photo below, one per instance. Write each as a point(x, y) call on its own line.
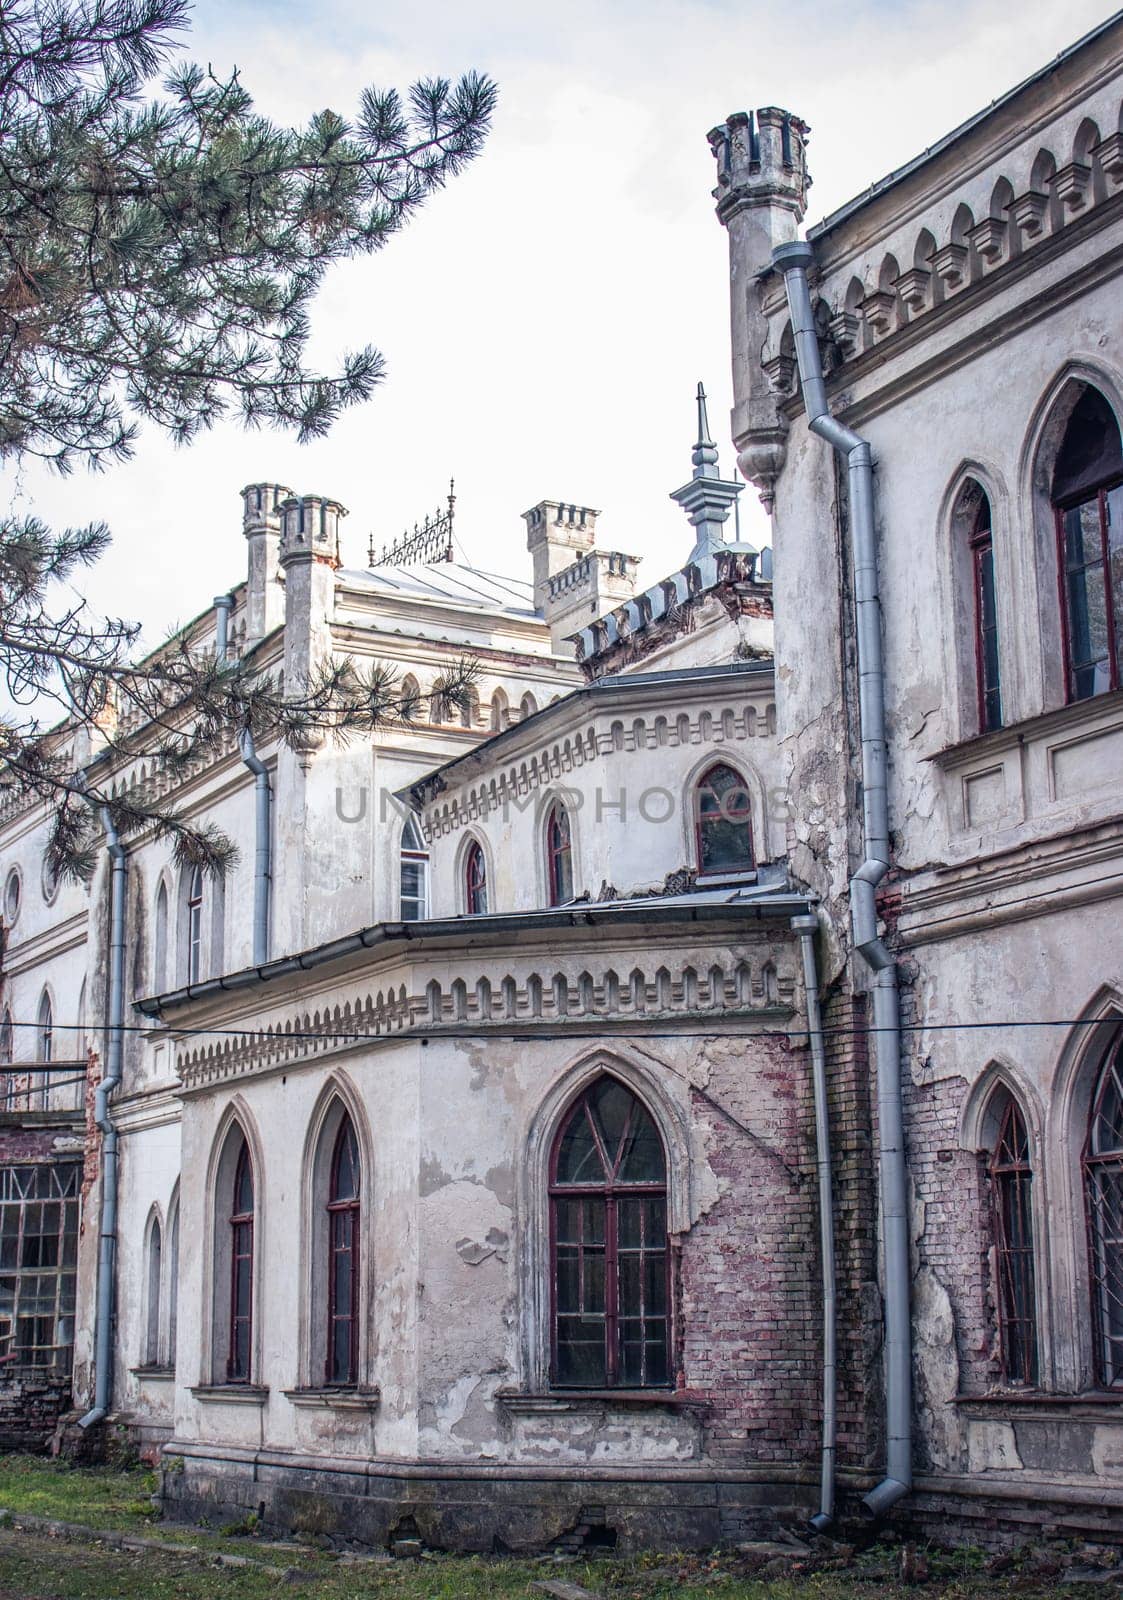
point(263, 866)
point(107, 1240)
point(807, 927)
point(793, 260)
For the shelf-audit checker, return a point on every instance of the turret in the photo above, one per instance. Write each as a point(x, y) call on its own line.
point(761, 194)
point(573, 581)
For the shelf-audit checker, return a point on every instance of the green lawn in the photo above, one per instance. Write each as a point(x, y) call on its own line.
point(195, 1564)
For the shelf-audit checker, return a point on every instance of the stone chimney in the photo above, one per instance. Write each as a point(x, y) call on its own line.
point(309, 554)
point(261, 524)
point(573, 581)
point(761, 194)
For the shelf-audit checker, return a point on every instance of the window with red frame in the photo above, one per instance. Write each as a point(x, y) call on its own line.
point(475, 881)
point(238, 1361)
point(559, 855)
point(611, 1320)
point(1103, 1192)
point(723, 822)
point(1010, 1179)
point(195, 926)
point(342, 1366)
point(987, 674)
point(1087, 497)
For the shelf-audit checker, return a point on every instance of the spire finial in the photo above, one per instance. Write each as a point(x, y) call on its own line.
point(704, 453)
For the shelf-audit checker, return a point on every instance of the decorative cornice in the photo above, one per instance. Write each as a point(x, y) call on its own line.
point(598, 999)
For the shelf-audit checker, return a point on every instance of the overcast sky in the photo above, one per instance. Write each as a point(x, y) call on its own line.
point(545, 319)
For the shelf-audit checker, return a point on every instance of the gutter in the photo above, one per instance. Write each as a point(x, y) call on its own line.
point(107, 1233)
point(793, 261)
point(475, 930)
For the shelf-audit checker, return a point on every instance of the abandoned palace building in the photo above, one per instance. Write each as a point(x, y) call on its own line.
point(679, 1083)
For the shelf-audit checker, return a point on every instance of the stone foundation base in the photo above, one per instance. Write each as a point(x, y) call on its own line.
point(487, 1510)
point(999, 1513)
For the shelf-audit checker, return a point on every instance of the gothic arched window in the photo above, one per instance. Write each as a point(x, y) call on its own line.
point(195, 926)
point(413, 880)
point(342, 1365)
point(1010, 1178)
point(239, 1353)
point(723, 821)
point(1103, 1193)
point(160, 940)
point(1087, 496)
point(608, 1226)
point(973, 520)
point(7, 1052)
point(559, 855)
point(152, 1308)
point(475, 880)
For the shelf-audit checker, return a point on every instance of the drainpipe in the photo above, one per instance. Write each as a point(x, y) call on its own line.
point(223, 606)
point(107, 1240)
point(793, 260)
point(807, 927)
point(263, 869)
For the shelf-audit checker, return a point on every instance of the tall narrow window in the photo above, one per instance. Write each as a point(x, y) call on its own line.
point(195, 926)
point(342, 1365)
point(414, 874)
point(238, 1361)
point(988, 686)
point(160, 941)
point(608, 1227)
point(152, 1320)
point(1103, 1191)
point(475, 881)
point(46, 1032)
point(723, 822)
point(1087, 497)
point(38, 1264)
point(559, 855)
point(8, 1087)
point(1010, 1177)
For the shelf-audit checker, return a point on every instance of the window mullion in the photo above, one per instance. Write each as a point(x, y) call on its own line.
point(611, 1292)
point(1109, 597)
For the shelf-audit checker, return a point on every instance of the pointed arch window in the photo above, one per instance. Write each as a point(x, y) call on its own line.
point(475, 881)
point(195, 925)
point(1011, 1175)
point(611, 1323)
point(723, 821)
point(559, 855)
point(988, 688)
point(1103, 1192)
point(1087, 497)
point(342, 1366)
point(239, 1352)
point(152, 1320)
point(160, 940)
point(45, 1031)
point(413, 874)
point(173, 1277)
point(7, 1053)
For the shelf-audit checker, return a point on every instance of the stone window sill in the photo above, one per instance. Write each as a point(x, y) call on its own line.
point(1075, 713)
point(232, 1394)
point(364, 1398)
point(1038, 1402)
point(714, 880)
point(159, 1373)
point(522, 1401)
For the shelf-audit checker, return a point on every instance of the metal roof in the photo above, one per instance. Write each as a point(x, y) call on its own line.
point(445, 583)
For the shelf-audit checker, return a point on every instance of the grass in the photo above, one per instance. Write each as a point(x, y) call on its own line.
point(37, 1566)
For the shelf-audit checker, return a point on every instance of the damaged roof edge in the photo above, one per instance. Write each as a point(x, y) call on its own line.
point(899, 174)
point(387, 935)
point(616, 682)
